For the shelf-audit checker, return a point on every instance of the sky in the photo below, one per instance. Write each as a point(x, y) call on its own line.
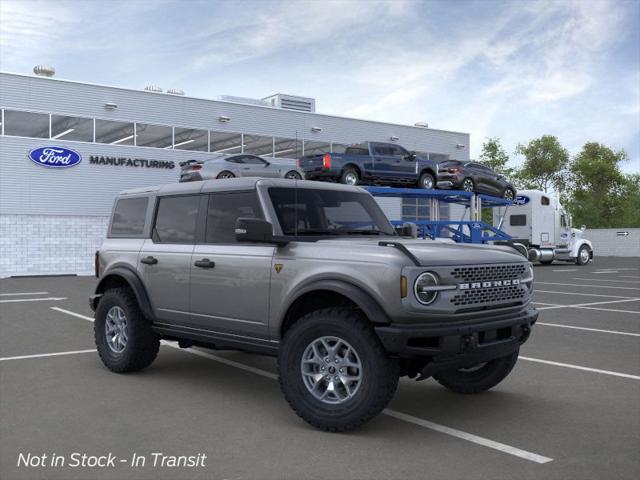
point(514, 69)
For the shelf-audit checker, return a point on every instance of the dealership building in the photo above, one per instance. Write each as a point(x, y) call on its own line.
point(52, 220)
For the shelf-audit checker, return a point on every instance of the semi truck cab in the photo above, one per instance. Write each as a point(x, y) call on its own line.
point(539, 222)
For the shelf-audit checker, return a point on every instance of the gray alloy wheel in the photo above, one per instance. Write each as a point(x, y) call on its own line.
point(293, 175)
point(226, 174)
point(115, 329)
point(508, 194)
point(467, 185)
point(331, 370)
point(351, 178)
point(427, 181)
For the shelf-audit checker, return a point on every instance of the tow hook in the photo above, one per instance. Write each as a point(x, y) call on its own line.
point(526, 331)
point(468, 342)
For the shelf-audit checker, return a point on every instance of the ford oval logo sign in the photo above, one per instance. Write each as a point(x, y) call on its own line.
point(521, 200)
point(55, 157)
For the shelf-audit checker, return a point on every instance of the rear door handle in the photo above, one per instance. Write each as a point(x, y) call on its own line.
point(204, 263)
point(149, 260)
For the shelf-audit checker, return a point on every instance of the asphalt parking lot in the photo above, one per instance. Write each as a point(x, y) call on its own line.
point(570, 408)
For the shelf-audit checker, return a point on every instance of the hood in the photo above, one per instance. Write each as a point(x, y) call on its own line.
point(433, 253)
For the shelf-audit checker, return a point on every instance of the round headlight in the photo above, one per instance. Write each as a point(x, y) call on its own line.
point(422, 288)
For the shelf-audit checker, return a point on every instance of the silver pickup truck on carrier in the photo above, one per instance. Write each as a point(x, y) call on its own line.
point(314, 274)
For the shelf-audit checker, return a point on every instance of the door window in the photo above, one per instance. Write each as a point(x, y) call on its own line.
point(223, 211)
point(176, 219)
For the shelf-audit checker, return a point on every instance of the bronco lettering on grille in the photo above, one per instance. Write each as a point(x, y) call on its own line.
point(491, 284)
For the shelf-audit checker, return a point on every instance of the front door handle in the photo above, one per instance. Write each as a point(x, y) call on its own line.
point(149, 260)
point(204, 263)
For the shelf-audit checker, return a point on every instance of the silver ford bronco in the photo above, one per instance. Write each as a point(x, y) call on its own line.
point(314, 274)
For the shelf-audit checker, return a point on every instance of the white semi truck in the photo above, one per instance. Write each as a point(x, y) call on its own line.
point(538, 222)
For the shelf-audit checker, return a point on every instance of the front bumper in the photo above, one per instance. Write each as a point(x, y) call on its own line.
point(447, 347)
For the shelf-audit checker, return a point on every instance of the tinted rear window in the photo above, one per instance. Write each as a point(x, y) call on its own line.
point(128, 217)
point(176, 219)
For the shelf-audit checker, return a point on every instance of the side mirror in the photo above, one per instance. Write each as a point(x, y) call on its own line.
point(255, 230)
point(266, 164)
point(407, 229)
point(583, 228)
point(411, 156)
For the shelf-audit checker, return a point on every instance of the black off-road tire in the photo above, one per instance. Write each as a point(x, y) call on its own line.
point(142, 344)
point(468, 382)
point(380, 373)
point(426, 177)
point(346, 173)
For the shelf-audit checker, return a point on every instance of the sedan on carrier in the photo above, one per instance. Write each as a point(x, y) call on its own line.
point(243, 165)
point(474, 177)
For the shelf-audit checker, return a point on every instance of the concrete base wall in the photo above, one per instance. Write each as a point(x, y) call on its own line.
point(49, 245)
point(611, 242)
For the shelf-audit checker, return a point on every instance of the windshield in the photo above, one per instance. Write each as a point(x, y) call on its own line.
point(328, 212)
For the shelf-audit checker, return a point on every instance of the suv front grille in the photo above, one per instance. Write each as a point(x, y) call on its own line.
point(512, 293)
point(489, 272)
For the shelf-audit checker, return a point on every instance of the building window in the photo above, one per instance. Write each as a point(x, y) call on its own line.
point(156, 136)
point(26, 124)
point(191, 139)
point(71, 128)
point(225, 143)
point(258, 145)
point(114, 133)
point(316, 148)
point(415, 209)
point(287, 148)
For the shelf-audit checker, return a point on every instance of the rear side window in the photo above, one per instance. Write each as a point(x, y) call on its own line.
point(518, 220)
point(176, 219)
point(224, 209)
point(128, 217)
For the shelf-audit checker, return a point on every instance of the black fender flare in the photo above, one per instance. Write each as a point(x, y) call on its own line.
point(134, 282)
point(369, 306)
point(359, 170)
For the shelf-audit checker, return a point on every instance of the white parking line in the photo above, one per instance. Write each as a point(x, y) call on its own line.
point(581, 305)
point(583, 294)
point(635, 312)
point(47, 299)
point(41, 355)
point(605, 280)
point(607, 271)
point(533, 457)
point(579, 367)
point(587, 286)
point(23, 293)
point(589, 329)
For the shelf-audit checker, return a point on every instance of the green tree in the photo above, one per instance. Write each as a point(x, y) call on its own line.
point(630, 216)
point(599, 194)
point(495, 157)
point(545, 164)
